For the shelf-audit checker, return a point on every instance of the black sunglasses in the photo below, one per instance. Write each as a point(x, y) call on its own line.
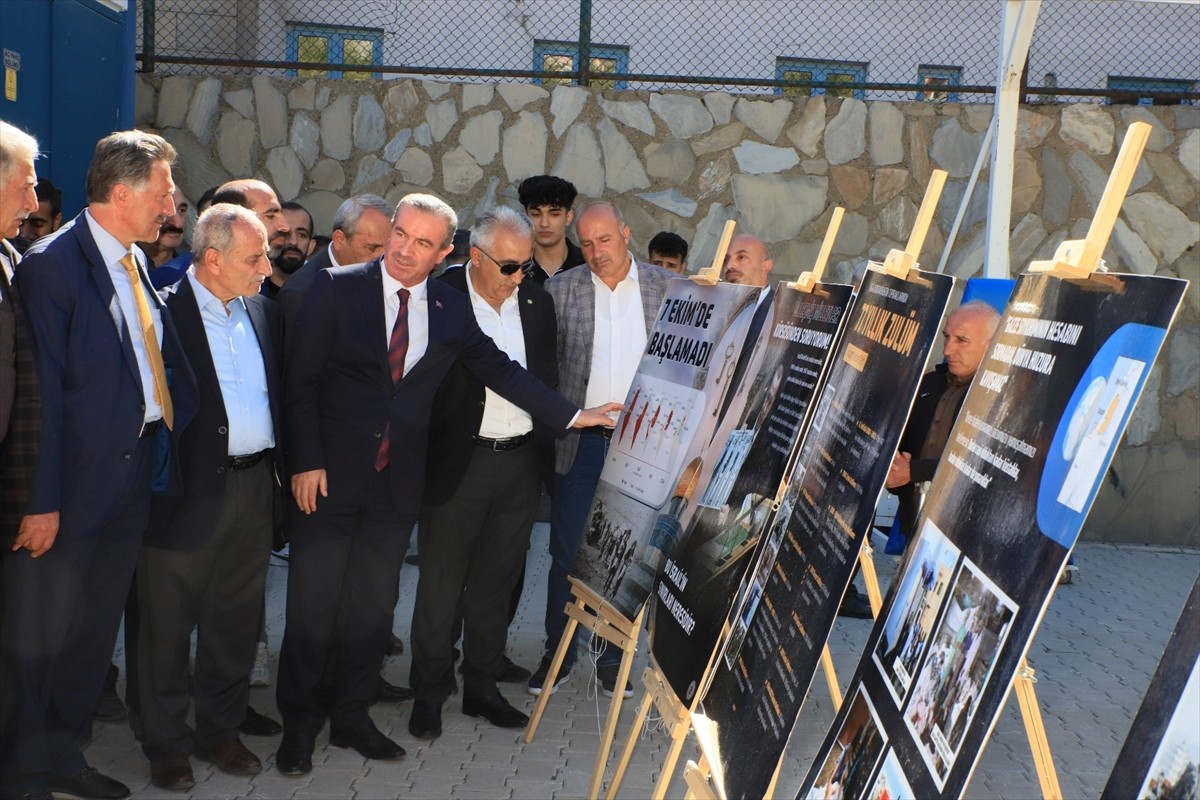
point(507, 267)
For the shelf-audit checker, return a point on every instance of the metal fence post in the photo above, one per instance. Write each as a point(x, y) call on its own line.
point(148, 35)
point(585, 42)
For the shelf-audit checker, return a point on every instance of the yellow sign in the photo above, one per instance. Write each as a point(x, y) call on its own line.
point(10, 84)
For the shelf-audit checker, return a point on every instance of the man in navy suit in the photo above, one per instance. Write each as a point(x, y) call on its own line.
point(203, 565)
point(369, 350)
point(116, 393)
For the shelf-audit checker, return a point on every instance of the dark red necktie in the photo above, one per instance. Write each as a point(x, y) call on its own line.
point(397, 350)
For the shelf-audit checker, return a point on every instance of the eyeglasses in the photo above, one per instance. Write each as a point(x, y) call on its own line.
point(508, 267)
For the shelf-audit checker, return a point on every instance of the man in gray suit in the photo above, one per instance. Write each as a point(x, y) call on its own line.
point(605, 314)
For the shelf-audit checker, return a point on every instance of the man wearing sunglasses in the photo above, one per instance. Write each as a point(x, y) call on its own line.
point(483, 483)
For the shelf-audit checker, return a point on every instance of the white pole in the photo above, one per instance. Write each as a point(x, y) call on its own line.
point(1017, 23)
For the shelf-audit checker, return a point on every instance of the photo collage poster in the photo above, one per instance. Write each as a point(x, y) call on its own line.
point(696, 587)
point(771, 655)
point(1161, 756)
point(661, 438)
point(1032, 442)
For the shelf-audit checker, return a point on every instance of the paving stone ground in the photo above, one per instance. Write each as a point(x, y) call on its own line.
point(1097, 648)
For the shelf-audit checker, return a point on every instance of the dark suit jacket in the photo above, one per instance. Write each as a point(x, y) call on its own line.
point(8, 339)
point(458, 404)
point(19, 450)
point(916, 430)
point(92, 403)
point(297, 284)
point(340, 391)
point(187, 521)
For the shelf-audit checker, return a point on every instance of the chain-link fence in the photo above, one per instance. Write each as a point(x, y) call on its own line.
point(1121, 50)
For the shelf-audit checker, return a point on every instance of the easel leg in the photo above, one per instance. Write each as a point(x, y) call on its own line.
point(871, 579)
point(1031, 713)
point(699, 781)
point(626, 754)
point(835, 691)
point(560, 655)
point(614, 714)
point(668, 768)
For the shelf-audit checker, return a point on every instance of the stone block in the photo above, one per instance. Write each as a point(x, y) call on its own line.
point(579, 160)
point(335, 129)
point(237, 145)
point(145, 101)
point(895, 220)
point(853, 184)
point(1157, 499)
point(370, 129)
point(672, 161)
point(1163, 227)
point(397, 145)
point(806, 134)
point(776, 208)
point(441, 117)
point(327, 175)
point(401, 103)
point(565, 104)
point(1189, 153)
point(966, 260)
point(1059, 189)
point(173, 98)
point(954, 149)
point(475, 95)
point(720, 105)
point(195, 170)
point(523, 149)
point(685, 116)
point(1160, 137)
point(725, 138)
point(714, 179)
point(374, 176)
point(322, 98)
point(918, 152)
point(630, 113)
point(435, 89)
point(480, 136)
point(760, 159)
point(764, 117)
point(887, 134)
point(952, 199)
point(1032, 128)
point(460, 173)
point(1183, 360)
point(305, 139)
point(519, 95)
point(846, 134)
point(287, 173)
point(1180, 191)
point(1088, 126)
point(415, 167)
point(1092, 179)
point(271, 107)
point(1024, 240)
point(303, 96)
point(1134, 254)
point(708, 233)
point(852, 235)
point(205, 102)
point(889, 182)
point(241, 100)
point(671, 200)
point(422, 136)
point(1027, 183)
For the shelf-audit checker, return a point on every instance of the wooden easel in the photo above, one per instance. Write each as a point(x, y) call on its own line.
point(592, 612)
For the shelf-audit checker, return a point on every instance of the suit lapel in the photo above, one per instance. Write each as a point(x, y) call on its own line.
point(438, 327)
point(190, 327)
point(372, 297)
point(529, 327)
point(103, 283)
point(266, 346)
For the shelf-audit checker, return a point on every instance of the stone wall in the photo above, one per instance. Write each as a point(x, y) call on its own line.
point(689, 162)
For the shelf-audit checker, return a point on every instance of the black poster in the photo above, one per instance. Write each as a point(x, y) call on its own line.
point(696, 588)
point(1161, 756)
point(792, 593)
point(1032, 442)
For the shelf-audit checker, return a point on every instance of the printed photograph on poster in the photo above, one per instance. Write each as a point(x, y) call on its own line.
point(958, 665)
point(611, 531)
point(890, 783)
point(909, 626)
point(852, 759)
point(1175, 771)
point(651, 440)
point(744, 611)
point(818, 423)
point(737, 447)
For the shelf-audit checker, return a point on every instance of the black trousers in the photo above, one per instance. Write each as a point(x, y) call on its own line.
point(216, 590)
point(472, 547)
point(61, 615)
point(343, 579)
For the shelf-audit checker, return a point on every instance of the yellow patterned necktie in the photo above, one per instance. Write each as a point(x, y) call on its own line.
point(161, 395)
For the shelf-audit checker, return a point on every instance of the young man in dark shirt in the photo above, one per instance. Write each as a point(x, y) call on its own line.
point(547, 201)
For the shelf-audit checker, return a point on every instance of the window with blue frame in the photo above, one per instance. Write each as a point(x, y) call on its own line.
point(1149, 91)
point(603, 59)
point(938, 79)
point(795, 73)
point(334, 45)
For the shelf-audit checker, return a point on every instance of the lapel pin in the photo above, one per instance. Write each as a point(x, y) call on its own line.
point(437, 303)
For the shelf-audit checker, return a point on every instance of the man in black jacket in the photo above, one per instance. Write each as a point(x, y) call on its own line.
point(485, 470)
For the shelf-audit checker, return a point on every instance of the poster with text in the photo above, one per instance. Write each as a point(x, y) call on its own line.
point(1161, 756)
point(1025, 458)
point(779, 628)
point(696, 587)
point(662, 438)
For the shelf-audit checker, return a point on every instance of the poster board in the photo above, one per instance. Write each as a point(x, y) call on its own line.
point(792, 594)
point(662, 439)
point(1032, 442)
point(697, 587)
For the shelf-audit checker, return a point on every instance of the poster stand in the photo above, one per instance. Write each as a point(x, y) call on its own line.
point(711, 275)
point(592, 612)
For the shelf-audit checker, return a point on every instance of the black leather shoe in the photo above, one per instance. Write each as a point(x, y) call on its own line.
point(88, 784)
point(855, 605)
point(496, 710)
point(514, 673)
point(32, 794)
point(391, 693)
point(426, 719)
point(294, 756)
point(369, 743)
point(256, 724)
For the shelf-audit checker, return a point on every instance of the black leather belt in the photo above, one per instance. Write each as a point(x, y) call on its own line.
point(511, 443)
point(246, 462)
point(151, 428)
point(600, 430)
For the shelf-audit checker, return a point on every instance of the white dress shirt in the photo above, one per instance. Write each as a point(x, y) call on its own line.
point(618, 341)
point(418, 316)
point(238, 361)
point(125, 309)
point(501, 419)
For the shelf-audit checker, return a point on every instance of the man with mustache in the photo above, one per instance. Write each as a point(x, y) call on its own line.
point(170, 235)
point(297, 246)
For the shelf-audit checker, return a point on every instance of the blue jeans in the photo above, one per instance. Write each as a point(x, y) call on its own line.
point(569, 507)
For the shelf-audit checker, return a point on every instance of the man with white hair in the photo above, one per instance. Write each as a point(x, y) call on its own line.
point(18, 200)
